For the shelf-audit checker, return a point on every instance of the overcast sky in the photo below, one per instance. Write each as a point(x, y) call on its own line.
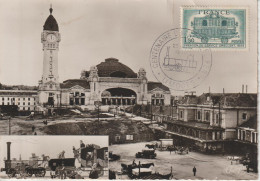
point(92, 30)
point(47, 145)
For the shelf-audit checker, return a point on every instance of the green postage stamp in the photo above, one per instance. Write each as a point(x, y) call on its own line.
point(214, 28)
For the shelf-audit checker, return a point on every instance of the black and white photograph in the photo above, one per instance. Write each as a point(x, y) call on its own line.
point(165, 89)
point(54, 157)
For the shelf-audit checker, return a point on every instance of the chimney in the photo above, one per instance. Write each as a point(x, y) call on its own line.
point(209, 89)
point(223, 90)
point(8, 151)
point(246, 89)
point(242, 88)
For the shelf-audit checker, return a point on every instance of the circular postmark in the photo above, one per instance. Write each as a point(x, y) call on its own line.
point(177, 68)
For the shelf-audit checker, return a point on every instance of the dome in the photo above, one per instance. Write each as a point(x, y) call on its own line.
point(113, 68)
point(51, 23)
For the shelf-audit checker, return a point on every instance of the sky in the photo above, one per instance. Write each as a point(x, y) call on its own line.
point(93, 30)
point(47, 145)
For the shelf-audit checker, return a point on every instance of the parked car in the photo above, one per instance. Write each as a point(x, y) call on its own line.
point(148, 153)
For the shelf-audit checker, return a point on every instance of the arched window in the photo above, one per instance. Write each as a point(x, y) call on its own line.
point(224, 23)
point(199, 115)
point(204, 23)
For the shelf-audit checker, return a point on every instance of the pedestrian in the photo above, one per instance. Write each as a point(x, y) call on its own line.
point(62, 171)
point(247, 169)
point(61, 155)
point(134, 164)
point(82, 145)
point(194, 170)
point(33, 128)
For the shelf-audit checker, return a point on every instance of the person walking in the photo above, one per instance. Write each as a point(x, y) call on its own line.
point(33, 128)
point(194, 171)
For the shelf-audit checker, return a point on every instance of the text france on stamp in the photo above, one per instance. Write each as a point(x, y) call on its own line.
point(214, 28)
point(179, 70)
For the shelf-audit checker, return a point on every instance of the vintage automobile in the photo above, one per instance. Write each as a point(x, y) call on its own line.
point(214, 26)
point(113, 157)
point(127, 169)
point(146, 153)
point(143, 171)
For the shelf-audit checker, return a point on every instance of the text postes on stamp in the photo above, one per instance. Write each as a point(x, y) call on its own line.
point(177, 69)
point(214, 28)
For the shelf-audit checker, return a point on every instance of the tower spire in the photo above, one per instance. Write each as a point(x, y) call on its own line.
point(51, 9)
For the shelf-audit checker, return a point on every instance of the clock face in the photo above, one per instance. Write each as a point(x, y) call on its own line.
point(51, 38)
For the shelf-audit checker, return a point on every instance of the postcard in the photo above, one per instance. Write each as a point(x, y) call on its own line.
point(170, 87)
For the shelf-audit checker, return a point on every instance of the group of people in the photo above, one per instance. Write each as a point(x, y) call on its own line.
point(45, 122)
point(61, 171)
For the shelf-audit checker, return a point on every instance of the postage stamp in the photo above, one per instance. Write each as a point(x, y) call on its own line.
point(177, 69)
point(214, 28)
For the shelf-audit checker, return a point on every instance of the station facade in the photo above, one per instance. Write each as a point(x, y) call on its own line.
point(212, 121)
point(110, 82)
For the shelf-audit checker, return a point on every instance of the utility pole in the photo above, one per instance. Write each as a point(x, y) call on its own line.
point(151, 112)
point(9, 123)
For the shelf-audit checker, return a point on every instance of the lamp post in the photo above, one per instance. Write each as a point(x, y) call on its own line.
point(149, 104)
point(98, 104)
point(132, 107)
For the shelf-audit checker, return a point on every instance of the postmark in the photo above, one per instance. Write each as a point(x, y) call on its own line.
point(215, 28)
point(175, 68)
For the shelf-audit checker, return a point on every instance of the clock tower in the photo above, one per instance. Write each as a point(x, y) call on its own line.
point(49, 87)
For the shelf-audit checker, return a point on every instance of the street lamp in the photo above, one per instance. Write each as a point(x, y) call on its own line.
point(149, 105)
point(98, 104)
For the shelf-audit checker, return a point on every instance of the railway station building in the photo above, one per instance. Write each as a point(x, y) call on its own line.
point(213, 121)
point(110, 82)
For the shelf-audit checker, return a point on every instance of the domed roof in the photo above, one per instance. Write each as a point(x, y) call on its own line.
point(51, 23)
point(113, 68)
